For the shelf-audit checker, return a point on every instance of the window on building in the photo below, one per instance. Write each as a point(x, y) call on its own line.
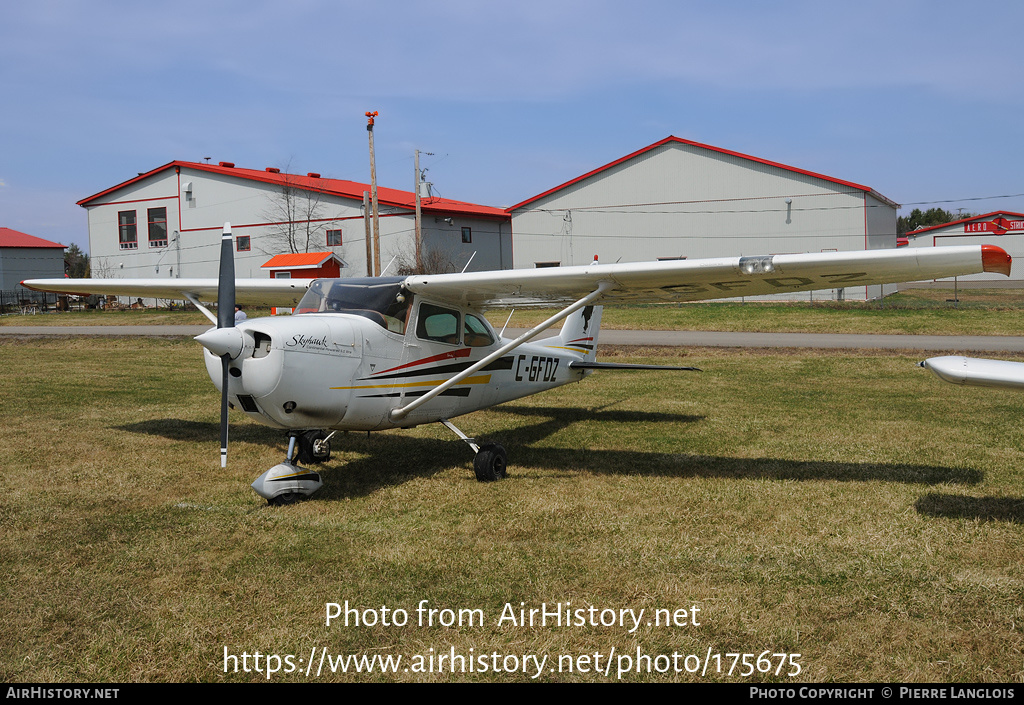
point(467, 235)
point(242, 243)
point(157, 218)
point(334, 238)
point(127, 236)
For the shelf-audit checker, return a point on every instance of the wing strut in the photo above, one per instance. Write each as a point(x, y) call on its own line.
point(401, 413)
point(195, 302)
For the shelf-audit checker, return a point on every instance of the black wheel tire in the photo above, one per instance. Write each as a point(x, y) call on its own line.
point(308, 442)
point(285, 499)
point(491, 463)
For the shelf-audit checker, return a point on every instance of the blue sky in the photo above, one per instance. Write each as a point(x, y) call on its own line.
point(919, 100)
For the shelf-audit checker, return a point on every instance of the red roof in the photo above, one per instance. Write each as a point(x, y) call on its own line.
point(680, 140)
point(972, 219)
point(12, 238)
point(301, 260)
point(335, 187)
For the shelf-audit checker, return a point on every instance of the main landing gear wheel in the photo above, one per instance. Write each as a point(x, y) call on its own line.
point(491, 463)
point(285, 499)
point(314, 447)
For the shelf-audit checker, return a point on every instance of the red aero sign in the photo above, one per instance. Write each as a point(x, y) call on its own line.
point(997, 226)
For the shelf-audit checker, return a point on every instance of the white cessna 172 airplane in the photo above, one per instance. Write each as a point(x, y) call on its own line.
point(370, 354)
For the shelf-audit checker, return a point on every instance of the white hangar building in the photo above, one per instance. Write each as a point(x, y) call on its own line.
point(1003, 228)
point(167, 223)
point(680, 199)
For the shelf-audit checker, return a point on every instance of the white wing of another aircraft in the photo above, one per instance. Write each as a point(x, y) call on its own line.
point(677, 280)
point(977, 372)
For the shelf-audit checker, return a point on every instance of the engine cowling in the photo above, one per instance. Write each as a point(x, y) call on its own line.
point(286, 368)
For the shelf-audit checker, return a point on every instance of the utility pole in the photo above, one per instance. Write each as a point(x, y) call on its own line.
point(419, 216)
point(417, 182)
point(373, 196)
point(366, 227)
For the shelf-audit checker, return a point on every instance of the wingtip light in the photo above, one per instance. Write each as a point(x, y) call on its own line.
point(995, 259)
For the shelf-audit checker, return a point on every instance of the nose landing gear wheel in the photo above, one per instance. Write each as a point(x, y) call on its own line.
point(282, 500)
point(491, 463)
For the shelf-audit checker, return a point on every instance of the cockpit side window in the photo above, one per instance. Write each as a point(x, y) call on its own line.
point(476, 334)
point(438, 323)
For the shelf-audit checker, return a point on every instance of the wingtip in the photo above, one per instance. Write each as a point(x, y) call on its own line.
point(995, 259)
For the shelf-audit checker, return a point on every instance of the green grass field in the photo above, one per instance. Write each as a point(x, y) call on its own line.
point(850, 508)
point(915, 312)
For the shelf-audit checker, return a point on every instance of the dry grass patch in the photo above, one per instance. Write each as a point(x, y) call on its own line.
point(849, 507)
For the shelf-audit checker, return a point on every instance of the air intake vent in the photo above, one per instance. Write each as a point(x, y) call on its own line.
point(248, 403)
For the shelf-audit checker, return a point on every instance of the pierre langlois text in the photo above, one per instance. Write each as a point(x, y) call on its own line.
point(545, 615)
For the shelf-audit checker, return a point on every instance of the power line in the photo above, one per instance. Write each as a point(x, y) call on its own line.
point(629, 207)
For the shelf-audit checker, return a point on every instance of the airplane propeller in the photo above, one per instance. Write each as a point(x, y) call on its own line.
point(225, 341)
point(225, 319)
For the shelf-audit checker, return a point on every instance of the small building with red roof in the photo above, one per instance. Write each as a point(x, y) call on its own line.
point(677, 199)
point(1003, 228)
point(167, 222)
point(24, 256)
point(304, 265)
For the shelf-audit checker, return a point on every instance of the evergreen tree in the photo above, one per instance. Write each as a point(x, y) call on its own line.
point(76, 262)
point(932, 216)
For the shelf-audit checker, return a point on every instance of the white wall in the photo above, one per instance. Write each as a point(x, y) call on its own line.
point(702, 203)
point(249, 206)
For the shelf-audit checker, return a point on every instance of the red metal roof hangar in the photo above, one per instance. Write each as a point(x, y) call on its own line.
point(680, 140)
point(313, 181)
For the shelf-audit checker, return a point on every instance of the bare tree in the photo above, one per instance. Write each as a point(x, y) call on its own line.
point(296, 216)
point(101, 268)
point(434, 261)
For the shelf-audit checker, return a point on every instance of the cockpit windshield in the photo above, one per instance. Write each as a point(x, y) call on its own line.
point(379, 299)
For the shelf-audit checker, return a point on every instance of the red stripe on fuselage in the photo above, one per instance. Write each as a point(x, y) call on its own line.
point(462, 352)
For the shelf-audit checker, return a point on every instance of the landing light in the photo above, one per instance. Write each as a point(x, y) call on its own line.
point(757, 265)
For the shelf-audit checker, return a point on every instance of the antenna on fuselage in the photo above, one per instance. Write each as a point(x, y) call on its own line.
point(389, 265)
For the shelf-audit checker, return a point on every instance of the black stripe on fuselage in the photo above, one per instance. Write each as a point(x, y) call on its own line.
point(502, 363)
point(460, 392)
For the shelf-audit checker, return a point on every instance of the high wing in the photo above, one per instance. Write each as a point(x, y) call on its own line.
point(253, 292)
point(639, 282)
point(702, 279)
